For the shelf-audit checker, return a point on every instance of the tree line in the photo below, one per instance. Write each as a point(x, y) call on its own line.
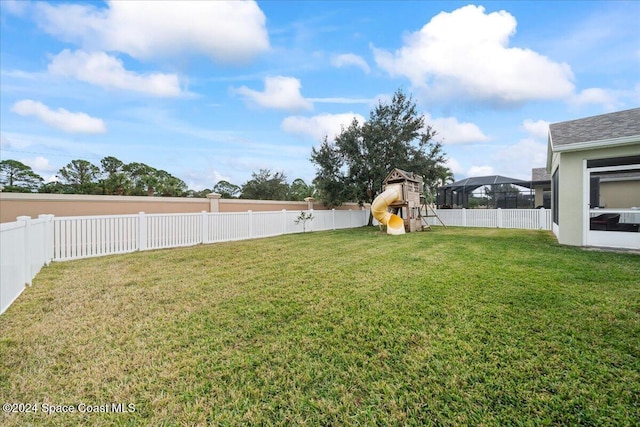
point(114, 177)
point(351, 168)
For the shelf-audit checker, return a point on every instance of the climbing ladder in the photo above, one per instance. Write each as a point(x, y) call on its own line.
point(423, 214)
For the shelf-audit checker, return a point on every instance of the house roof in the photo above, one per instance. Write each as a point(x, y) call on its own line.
point(540, 174)
point(470, 184)
point(620, 125)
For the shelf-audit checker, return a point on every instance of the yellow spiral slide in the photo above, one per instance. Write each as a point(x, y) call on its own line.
point(395, 224)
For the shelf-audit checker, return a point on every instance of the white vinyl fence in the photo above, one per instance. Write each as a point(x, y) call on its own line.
point(528, 219)
point(29, 244)
point(25, 247)
point(89, 236)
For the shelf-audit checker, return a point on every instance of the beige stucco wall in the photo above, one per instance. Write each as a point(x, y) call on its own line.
point(13, 205)
point(572, 204)
point(244, 205)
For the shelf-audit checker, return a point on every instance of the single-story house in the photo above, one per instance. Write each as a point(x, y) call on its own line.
point(594, 164)
point(541, 185)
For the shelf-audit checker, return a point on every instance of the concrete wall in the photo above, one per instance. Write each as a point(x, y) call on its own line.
point(572, 205)
point(13, 205)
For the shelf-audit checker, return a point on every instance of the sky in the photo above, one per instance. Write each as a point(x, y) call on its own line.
point(213, 90)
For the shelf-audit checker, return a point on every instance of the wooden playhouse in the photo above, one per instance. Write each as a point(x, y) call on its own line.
point(411, 208)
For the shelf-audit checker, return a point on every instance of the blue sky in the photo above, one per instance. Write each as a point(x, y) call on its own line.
point(214, 90)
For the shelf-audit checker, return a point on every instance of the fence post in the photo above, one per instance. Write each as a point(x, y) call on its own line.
point(47, 237)
point(26, 256)
point(542, 223)
point(284, 221)
point(250, 224)
point(333, 219)
point(204, 235)
point(464, 217)
point(142, 231)
point(214, 202)
point(350, 218)
point(499, 215)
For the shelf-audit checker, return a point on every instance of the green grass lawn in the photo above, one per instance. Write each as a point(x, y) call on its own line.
point(456, 326)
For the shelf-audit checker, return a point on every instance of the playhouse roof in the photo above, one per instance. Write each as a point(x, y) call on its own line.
point(397, 175)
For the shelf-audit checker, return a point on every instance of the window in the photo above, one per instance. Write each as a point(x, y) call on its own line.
point(614, 190)
point(555, 189)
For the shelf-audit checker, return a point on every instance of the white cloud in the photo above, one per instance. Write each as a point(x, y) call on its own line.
point(634, 94)
point(350, 59)
point(453, 132)
point(60, 118)
point(230, 32)
point(41, 166)
point(381, 98)
point(279, 92)
point(466, 53)
point(538, 129)
point(38, 163)
point(198, 180)
point(595, 95)
point(319, 126)
point(455, 166)
point(15, 7)
point(518, 159)
point(5, 144)
point(480, 171)
point(341, 100)
point(107, 71)
point(59, 143)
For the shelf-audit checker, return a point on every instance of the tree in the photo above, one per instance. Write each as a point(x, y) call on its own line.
point(354, 165)
point(55, 187)
point(442, 176)
point(17, 177)
point(115, 180)
point(80, 176)
point(168, 185)
point(266, 185)
point(141, 176)
point(199, 194)
point(227, 190)
point(149, 181)
point(299, 190)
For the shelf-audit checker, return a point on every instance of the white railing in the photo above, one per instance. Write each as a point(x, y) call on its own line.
point(25, 247)
point(88, 236)
point(83, 237)
point(529, 219)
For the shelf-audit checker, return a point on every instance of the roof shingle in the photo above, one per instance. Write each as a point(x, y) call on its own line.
point(596, 128)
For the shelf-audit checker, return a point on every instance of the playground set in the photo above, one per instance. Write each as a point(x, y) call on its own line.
point(402, 206)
